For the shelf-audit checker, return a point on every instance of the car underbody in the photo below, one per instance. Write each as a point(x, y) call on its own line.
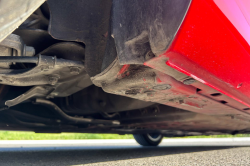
point(121, 66)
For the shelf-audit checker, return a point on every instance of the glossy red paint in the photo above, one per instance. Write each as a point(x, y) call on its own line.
point(209, 48)
point(238, 13)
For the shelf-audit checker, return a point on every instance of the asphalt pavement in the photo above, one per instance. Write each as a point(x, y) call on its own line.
point(219, 151)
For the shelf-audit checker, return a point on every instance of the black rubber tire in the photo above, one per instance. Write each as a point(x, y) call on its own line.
point(145, 140)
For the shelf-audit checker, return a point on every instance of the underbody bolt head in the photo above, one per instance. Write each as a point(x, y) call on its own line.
point(162, 87)
point(74, 70)
point(149, 55)
point(53, 80)
point(189, 81)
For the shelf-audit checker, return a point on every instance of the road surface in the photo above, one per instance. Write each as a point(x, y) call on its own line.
point(222, 151)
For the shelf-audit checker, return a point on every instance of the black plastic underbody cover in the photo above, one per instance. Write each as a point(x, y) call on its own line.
point(128, 29)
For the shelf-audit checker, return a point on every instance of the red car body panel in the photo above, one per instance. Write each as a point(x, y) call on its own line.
point(210, 49)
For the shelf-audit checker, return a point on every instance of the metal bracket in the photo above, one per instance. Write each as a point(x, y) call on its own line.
point(49, 70)
point(37, 91)
point(51, 77)
point(19, 48)
point(13, 45)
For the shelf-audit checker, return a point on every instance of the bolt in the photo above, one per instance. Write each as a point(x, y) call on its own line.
point(74, 70)
point(162, 87)
point(53, 80)
point(133, 91)
point(189, 81)
point(149, 55)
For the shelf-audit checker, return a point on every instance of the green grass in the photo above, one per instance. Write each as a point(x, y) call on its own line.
point(13, 135)
point(220, 136)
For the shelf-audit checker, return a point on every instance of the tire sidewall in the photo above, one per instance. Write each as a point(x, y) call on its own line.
point(152, 142)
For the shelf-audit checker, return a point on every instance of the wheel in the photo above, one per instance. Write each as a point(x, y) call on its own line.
point(152, 139)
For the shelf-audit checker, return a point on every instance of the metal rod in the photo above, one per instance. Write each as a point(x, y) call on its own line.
point(74, 120)
point(34, 118)
point(19, 59)
point(27, 124)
